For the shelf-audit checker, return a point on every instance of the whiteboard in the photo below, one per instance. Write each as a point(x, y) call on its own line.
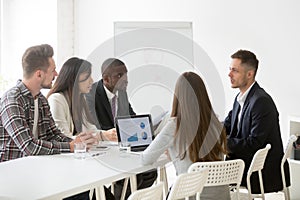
point(155, 54)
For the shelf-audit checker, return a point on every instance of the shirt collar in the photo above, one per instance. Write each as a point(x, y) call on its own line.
point(109, 94)
point(242, 97)
point(25, 90)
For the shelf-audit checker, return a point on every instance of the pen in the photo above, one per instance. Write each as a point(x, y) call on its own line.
point(98, 154)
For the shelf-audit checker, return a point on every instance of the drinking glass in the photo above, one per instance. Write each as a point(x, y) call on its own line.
point(80, 150)
point(124, 148)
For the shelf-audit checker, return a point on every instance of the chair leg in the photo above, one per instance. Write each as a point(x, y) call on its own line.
point(238, 193)
point(249, 187)
point(198, 196)
point(163, 178)
point(261, 185)
point(286, 192)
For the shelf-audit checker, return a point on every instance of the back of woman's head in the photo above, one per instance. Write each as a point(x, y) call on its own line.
point(198, 129)
point(192, 95)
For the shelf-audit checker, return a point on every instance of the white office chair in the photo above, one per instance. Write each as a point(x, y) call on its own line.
point(221, 173)
point(188, 184)
point(153, 192)
point(287, 154)
point(257, 164)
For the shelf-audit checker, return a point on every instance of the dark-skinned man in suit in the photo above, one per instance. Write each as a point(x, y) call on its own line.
point(108, 99)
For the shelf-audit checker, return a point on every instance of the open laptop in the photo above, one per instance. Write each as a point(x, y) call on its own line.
point(137, 130)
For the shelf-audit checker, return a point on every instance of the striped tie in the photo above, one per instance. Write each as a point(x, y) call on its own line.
point(113, 106)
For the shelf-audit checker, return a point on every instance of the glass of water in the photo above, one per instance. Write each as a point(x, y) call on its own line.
point(80, 150)
point(124, 148)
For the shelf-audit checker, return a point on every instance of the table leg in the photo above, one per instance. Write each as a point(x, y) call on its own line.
point(100, 193)
point(91, 193)
point(133, 183)
point(124, 189)
point(112, 187)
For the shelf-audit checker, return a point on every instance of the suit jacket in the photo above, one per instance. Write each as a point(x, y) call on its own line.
point(101, 108)
point(259, 125)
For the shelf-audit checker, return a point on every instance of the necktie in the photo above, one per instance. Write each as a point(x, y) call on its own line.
point(113, 106)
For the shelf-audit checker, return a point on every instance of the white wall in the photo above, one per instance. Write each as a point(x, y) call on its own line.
point(65, 31)
point(268, 28)
point(25, 23)
point(32, 22)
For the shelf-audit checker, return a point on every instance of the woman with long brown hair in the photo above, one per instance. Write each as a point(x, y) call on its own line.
point(69, 108)
point(68, 103)
point(192, 134)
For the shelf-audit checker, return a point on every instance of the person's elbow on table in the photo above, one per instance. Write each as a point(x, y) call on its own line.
point(144, 160)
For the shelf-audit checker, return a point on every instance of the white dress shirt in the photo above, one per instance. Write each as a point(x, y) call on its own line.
point(110, 96)
point(241, 98)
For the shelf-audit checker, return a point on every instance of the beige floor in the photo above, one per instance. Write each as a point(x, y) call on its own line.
point(269, 196)
point(171, 174)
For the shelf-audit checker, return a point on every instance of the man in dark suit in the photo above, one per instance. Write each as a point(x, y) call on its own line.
point(113, 84)
point(253, 123)
point(108, 99)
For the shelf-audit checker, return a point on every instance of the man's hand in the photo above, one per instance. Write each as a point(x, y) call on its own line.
point(110, 135)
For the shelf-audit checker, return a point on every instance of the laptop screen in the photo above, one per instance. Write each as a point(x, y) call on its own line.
point(137, 129)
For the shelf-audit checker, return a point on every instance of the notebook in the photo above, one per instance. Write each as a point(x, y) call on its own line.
point(136, 130)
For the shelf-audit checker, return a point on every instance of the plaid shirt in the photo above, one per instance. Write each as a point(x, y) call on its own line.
point(16, 124)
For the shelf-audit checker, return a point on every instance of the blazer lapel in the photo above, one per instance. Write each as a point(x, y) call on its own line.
point(104, 99)
point(235, 113)
point(247, 101)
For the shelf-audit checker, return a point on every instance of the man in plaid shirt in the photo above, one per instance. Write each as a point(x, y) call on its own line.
point(26, 124)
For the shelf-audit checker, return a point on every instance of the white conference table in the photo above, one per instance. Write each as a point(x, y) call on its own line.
point(60, 176)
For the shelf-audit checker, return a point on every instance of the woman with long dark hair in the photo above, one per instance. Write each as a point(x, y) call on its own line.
point(68, 103)
point(193, 132)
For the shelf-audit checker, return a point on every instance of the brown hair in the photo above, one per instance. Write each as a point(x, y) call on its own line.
point(198, 129)
point(247, 58)
point(67, 82)
point(36, 58)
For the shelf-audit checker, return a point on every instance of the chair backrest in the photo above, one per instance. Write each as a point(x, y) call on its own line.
point(286, 155)
point(154, 192)
point(257, 164)
point(288, 148)
point(188, 184)
point(221, 172)
point(258, 159)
